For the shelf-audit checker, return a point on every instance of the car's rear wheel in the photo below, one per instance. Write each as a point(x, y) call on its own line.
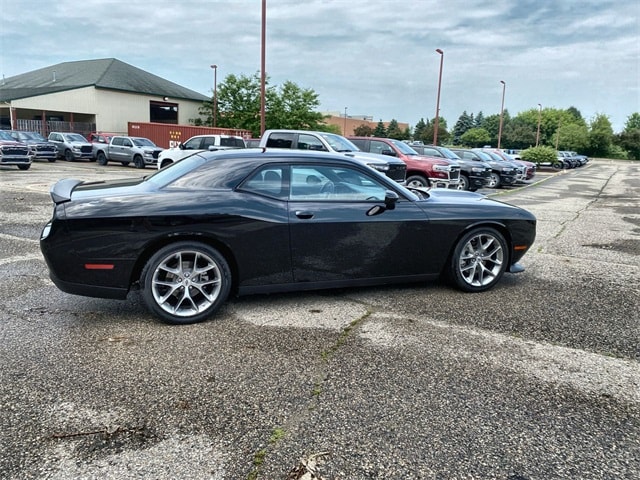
point(494, 180)
point(185, 282)
point(138, 161)
point(24, 167)
point(102, 158)
point(479, 260)
point(417, 181)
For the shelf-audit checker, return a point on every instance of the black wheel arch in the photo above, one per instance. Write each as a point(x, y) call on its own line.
point(498, 226)
point(152, 247)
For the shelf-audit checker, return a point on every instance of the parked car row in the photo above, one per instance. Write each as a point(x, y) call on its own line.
point(571, 159)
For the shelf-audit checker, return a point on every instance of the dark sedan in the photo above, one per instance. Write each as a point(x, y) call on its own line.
point(251, 221)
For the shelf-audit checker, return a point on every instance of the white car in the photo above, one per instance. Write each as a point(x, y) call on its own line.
point(199, 143)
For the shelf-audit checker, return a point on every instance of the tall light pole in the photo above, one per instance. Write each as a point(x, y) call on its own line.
point(436, 125)
point(344, 130)
point(504, 85)
point(262, 67)
point(539, 117)
point(215, 94)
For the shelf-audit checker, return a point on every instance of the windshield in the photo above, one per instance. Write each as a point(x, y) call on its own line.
point(143, 142)
point(338, 143)
point(74, 137)
point(6, 136)
point(489, 157)
point(36, 136)
point(449, 154)
point(404, 148)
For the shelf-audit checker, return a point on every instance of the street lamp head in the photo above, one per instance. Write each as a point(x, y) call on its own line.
point(502, 82)
point(439, 51)
point(539, 105)
point(214, 66)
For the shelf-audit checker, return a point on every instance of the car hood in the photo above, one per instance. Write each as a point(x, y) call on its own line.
point(373, 158)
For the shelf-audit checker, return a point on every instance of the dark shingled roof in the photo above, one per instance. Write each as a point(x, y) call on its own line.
point(107, 73)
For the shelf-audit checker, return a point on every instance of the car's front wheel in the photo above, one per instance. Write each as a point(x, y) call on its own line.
point(479, 260)
point(464, 182)
point(68, 155)
point(138, 161)
point(102, 158)
point(185, 282)
point(417, 181)
point(494, 180)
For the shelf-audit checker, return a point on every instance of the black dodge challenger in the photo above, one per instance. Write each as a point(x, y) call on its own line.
point(256, 221)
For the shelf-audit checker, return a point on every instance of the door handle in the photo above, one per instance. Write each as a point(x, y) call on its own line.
point(304, 215)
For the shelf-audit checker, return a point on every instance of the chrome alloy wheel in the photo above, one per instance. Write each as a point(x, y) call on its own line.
point(481, 260)
point(186, 283)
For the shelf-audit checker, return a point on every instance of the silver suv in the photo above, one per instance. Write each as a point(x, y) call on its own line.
point(72, 146)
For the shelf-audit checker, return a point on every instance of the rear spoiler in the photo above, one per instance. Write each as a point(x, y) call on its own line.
point(61, 190)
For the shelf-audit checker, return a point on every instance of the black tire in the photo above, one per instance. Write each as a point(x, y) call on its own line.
point(165, 162)
point(138, 161)
point(464, 182)
point(479, 260)
point(417, 181)
point(68, 155)
point(125, 164)
point(494, 180)
point(177, 294)
point(51, 160)
point(102, 159)
point(24, 167)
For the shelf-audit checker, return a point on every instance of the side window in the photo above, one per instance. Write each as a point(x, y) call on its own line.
point(269, 181)
point(55, 137)
point(208, 142)
point(117, 141)
point(310, 142)
point(325, 183)
point(280, 140)
point(126, 142)
point(361, 144)
point(378, 147)
point(193, 144)
point(432, 152)
point(229, 142)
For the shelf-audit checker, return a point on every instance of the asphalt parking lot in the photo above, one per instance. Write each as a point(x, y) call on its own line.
point(538, 378)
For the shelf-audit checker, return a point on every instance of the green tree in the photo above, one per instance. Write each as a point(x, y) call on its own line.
point(600, 135)
point(479, 120)
point(633, 122)
point(393, 130)
point(574, 137)
point(363, 130)
point(629, 139)
point(288, 106)
point(518, 134)
point(418, 131)
point(465, 122)
point(380, 131)
point(475, 137)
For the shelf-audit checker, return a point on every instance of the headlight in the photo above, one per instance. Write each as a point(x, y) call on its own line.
point(45, 231)
point(507, 170)
point(442, 168)
point(381, 167)
point(477, 169)
point(147, 153)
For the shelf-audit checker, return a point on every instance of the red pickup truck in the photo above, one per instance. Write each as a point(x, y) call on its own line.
point(422, 171)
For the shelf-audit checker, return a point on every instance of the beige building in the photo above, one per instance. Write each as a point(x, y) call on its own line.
point(347, 124)
point(93, 95)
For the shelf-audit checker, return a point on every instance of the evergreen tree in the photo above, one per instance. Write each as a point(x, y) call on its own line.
point(380, 131)
point(393, 130)
point(479, 121)
point(464, 123)
point(419, 129)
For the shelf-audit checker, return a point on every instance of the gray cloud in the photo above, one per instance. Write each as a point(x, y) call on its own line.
point(374, 57)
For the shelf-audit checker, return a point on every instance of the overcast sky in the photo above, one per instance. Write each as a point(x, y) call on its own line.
point(373, 57)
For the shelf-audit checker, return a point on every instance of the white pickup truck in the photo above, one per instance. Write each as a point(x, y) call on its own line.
point(139, 150)
point(199, 143)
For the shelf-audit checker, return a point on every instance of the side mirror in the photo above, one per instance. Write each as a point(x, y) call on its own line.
point(181, 146)
point(389, 153)
point(390, 199)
